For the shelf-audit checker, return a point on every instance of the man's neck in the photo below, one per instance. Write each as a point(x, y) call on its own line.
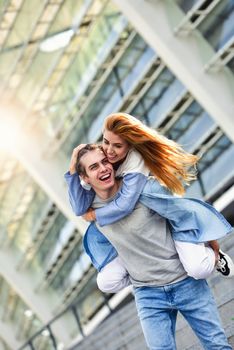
point(110, 192)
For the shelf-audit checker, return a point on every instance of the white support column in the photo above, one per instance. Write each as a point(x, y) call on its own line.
point(47, 172)
point(28, 145)
point(42, 303)
point(186, 56)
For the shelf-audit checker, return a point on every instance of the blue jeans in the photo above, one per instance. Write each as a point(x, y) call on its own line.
point(158, 307)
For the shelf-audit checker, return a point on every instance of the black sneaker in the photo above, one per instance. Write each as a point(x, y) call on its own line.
point(225, 265)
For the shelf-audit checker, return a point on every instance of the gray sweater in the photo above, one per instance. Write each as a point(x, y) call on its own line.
point(144, 243)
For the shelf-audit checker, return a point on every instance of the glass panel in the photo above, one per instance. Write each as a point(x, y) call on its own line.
point(214, 153)
point(184, 122)
point(47, 247)
point(14, 310)
point(86, 54)
point(24, 22)
point(186, 5)
point(153, 105)
point(110, 93)
point(218, 27)
point(61, 281)
point(34, 77)
point(7, 61)
point(26, 226)
point(89, 301)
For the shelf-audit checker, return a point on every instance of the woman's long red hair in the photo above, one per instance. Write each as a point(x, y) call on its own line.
point(168, 161)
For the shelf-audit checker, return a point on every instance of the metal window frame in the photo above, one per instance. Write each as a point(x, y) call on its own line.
point(199, 11)
point(221, 58)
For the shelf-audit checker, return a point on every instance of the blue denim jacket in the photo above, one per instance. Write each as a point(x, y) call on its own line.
point(190, 220)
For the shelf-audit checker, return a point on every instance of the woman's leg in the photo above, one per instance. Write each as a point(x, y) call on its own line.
point(215, 246)
point(113, 277)
point(198, 259)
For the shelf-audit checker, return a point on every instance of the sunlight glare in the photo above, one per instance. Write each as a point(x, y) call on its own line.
point(57, 41)
point(9, 130)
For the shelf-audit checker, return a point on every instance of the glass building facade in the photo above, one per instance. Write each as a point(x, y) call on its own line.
point(106, 64)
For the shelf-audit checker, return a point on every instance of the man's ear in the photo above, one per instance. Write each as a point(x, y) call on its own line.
point(85, 182)
point(85, 178)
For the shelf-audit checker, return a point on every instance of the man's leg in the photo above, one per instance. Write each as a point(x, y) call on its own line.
point(195, 301)
point(157, 317)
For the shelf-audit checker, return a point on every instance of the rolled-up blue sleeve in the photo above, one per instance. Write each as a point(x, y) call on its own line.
point(124, 202)
point(80, 199)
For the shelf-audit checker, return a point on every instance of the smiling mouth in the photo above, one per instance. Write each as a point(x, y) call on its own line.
point(105, 177)
point(111, 158)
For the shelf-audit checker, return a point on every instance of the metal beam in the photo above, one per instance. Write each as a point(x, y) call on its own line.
point(222, 56)
point(186, 56)
point(196, 15)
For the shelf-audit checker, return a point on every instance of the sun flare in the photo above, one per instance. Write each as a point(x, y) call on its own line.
point(9, 129)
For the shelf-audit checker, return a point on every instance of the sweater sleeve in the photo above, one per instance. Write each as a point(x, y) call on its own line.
point(124, 202)
point(80, 198)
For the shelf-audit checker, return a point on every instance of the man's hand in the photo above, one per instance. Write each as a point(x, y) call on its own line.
point(72, 167)
point(89, 215)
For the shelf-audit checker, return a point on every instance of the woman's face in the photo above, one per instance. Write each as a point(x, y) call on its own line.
point(114, 146)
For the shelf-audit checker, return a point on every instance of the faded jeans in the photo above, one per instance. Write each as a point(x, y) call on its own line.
point(158, 307)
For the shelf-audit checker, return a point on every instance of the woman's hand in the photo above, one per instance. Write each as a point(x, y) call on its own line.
point(72, 167)
point(89, 215)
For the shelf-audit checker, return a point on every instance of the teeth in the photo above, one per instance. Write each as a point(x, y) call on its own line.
point(104, 177)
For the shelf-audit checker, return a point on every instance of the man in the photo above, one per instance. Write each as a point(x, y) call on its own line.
point(146, 248)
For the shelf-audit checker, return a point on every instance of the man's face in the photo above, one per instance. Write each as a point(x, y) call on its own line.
point(100, 173)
